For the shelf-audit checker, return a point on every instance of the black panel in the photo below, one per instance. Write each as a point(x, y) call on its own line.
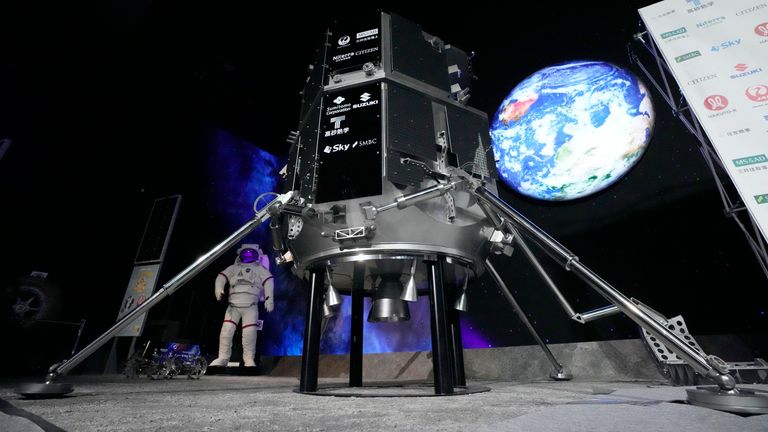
point(315, 82)
point(468, 131)
point(355, 42)
point(349, 152)
point(412, 55)
point(402, 174)
point(410, 125)
point(156, 231)
point(307, 146)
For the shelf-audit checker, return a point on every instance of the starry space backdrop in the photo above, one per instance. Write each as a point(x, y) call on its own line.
point(110, 106)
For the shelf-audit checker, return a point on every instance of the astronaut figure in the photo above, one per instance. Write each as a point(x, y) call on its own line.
point(246, 278)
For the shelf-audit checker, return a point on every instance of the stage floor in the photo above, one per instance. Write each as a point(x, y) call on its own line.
point(262, 403)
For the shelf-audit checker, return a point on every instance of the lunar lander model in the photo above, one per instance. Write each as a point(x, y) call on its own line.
point(391, 189)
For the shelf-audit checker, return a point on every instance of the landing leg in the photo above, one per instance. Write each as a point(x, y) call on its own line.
point(310, 356)
point(441, 356)
point(558, 373)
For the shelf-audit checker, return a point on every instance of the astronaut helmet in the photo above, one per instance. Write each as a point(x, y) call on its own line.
point(249, 253)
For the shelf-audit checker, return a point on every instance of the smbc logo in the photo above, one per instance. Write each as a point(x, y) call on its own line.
point(761, 199)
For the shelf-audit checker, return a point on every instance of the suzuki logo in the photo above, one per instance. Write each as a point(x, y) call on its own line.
point(716, 102)
point(344, 40)
point(338, 100)
point(757, 93)
point(365, 96)
point(762, 29)
point(741, 67)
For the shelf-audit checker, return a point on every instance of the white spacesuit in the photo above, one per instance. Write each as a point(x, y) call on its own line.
point(246, 278)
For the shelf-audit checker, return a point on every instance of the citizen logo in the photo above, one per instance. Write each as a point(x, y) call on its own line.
point(752, 9)
point(702, 79)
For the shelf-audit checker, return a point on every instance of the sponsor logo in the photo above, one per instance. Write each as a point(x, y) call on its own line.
point(337, 121)
point(698, 5)
point(701, 79)
point(761, 199)
point(365, 96)
point(754, 8)
point(757, 93)
point(725, 45)
point(716, 102)
point(365, 104)
point(745, 71)
point(367, 33)
point(336, 148)
point(687, 56)
point(363, 143)
point(338, 100)
point(762, 29)
point(344, 40)
point(344, 147)
point(663, 14)
point(738, 132)
point(347, 56)
point(710, 22)
point(750, 160)
point(674, 32)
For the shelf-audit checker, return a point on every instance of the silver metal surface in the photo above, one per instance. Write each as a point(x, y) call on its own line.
point(662, 353)
point(742, 401)
point(558, 368)
point(409, 292)
point(332, 297)
point(696, 359)
point(386, 305)
point(40, 390)
point(598, 313)
point(171, 286)
point(542, 273)
point(560, 375)
point(461, 301)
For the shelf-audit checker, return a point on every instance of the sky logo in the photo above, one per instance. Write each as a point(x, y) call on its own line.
point(725, 45)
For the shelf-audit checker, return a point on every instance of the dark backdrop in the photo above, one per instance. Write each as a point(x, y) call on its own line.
point(111, 106)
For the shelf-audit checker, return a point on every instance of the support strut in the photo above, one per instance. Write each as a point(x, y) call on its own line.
point(558, 372)
point(709, 366)
point(49, 388)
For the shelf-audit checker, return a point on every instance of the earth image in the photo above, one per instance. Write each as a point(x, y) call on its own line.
point(571, 130)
